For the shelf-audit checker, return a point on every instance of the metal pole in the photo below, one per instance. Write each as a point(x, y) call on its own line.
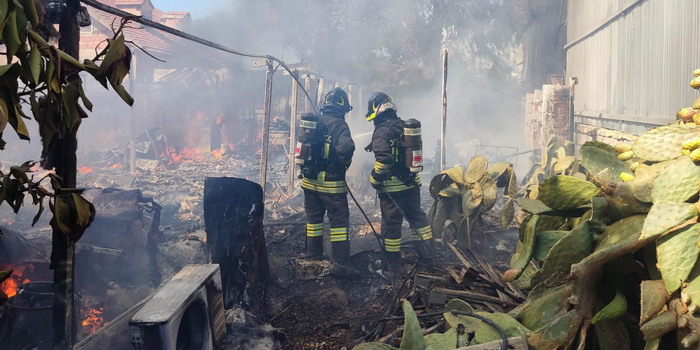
point(444, 111)
point(266, 125)
point(292, 133)
point(319, 91)
point(132, 130)
point(572, 123)
point(307, 87)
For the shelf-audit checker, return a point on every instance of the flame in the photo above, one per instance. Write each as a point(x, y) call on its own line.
point(218, 153)
point(94, 319)
point(85, 170)
point(114, 166)
point(9, 287)
point(187, 154)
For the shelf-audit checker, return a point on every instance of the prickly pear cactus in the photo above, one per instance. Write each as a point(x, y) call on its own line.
point(664, 143)
point(566, 192)
point(595, 160)
point(677, 182)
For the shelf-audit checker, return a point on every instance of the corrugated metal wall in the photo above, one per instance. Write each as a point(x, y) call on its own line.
point(638, 66)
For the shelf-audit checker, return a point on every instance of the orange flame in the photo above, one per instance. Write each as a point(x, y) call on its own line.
point(94, 319)
point(85, 170)
point(9, 287)
point(218, 153)
point(114, 166)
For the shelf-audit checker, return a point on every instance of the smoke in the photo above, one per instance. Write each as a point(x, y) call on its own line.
point(378, 45)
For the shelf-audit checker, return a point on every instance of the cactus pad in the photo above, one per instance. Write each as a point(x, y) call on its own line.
point(507, 213)
point(602, 145)
point(490, 191)
point(486, 333)
point(412, 334)
point(475, 198)
point(476, 169)
point(644, 176)
point(497, 169)
point(664, 216)
point(677, 182)
point(595, 160)
point(558, 333)
point(693, 287)
point(570, 249)
point(544, 241)
point(522, 257)
point(664, 143)
point(654, 297)
point(456, 174)
point(625, 230)
point(566, 192)
point(537, 313)
point(438, 183)
point(677, 253)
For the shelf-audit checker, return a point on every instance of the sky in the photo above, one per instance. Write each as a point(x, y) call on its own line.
point(198, 9)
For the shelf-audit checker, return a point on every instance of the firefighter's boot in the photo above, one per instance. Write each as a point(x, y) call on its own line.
point(425, 250)
point(393, 262)
point(314, 248)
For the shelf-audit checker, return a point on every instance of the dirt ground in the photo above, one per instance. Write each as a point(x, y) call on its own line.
point(316, 310)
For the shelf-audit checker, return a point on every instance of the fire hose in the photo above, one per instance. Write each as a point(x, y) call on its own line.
point(376, 235)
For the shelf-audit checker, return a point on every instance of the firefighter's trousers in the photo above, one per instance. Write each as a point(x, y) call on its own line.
point(336, 205)
point(409, 201)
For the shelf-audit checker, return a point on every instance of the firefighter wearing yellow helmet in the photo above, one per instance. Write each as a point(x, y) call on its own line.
point(323, 179)
point(395, 177)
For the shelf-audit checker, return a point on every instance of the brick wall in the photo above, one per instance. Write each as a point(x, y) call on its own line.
point(546, 113)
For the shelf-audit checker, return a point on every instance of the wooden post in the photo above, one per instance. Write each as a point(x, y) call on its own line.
point(443, 121)
point(266, 126)
point(293, 99)
point(65, 161)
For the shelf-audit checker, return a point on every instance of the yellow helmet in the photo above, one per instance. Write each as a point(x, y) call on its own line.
point(379, 102)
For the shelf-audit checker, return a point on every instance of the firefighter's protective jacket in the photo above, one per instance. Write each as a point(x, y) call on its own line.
point(337, 152)
point(389, 168)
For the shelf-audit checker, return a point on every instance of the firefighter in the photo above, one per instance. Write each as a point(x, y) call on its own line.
point(395, 183)
point(324, 182)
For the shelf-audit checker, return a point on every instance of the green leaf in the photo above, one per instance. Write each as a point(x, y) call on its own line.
point(665, 216)
point(121, 91)
point(486, 333)
point(61, 215)
point(566, 192)
point(71, 95)
point(30, 11)
point(616, 308)
point(677, 253)
point(84, 210)
point(83, 97)
point(10, 34)
point(115, 53)
point(35, 64)
point(412, 334)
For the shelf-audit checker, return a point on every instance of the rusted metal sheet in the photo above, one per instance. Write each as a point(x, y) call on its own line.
point(633, 60)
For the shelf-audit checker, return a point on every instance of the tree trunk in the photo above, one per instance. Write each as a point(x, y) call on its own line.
point(233, 216)
point(63, 157)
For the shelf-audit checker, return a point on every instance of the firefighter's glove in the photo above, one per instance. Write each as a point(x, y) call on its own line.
point(377, 181)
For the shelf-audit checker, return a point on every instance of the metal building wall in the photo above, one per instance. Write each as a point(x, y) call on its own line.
point(633, 60)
